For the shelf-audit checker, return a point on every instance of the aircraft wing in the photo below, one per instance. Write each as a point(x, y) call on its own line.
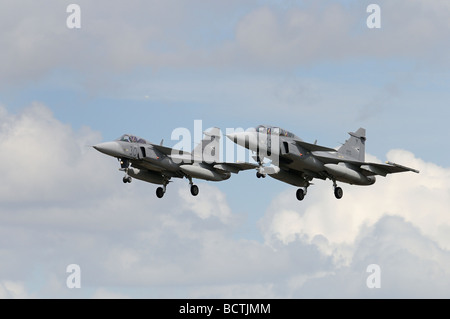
point(234, 167)
point(313, 147)
point(384, 169)
point(368, 169)
point(169, 151)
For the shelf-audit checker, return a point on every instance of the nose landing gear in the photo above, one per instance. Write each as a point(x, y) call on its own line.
point(127, 179)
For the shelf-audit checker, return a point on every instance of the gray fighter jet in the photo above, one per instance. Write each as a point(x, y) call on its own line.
point(297, 162)
point(157, 164)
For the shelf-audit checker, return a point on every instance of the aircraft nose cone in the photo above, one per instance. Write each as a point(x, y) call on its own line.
point(241, 138)
point(109, 148)
point(247, 139)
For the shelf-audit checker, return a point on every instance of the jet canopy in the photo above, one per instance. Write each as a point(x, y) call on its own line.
point(131, 139)
point(267, 129)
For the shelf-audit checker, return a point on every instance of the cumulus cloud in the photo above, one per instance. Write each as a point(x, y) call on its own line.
point(411, 265)
point(45, 158)
point(117, 37)
point(120, 235)
point(128, 243)
point(293, 37)
point(419, 198)
point(330, 31)
point(61, 202)
point(11, 289)
point(205, 208)
point(399, 223)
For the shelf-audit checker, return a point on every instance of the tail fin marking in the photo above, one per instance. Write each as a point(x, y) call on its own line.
point(355, 146)
point(208, 149)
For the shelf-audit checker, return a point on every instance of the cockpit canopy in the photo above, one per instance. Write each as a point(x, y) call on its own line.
point(267, 129)
point(131, 139)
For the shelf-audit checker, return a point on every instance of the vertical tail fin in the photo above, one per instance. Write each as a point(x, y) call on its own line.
point(355, 146)
point(208, 150)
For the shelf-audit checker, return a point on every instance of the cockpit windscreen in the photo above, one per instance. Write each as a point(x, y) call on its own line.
point(131, 139)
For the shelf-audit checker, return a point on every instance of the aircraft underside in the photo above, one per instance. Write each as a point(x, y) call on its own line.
point(303, 179)
point(160, 178)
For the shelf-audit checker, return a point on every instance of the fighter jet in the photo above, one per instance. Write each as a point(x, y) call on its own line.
point(157, 164)
point(297, 162)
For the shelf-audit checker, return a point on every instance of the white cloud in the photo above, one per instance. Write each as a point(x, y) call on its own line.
point(332, 32)
point(128, 242)
point(62, 202)
point(419, 198)
point(411, 265)
point(45, 158)
point(295, 36)
point(123, 238)
point(12, 290)
point(117, 37)
point(103, 293)
point(400, 223)
point(212, 203)
point(120, 235)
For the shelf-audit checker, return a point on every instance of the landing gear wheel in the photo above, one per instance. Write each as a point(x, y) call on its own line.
point(300, 194)
point(127, 179)
point(259, 175)
point(160, 192)
point(194, 190)
point(338, 192)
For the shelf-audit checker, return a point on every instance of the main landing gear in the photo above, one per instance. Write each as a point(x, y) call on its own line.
point(194, 188)
point(301, 192)
point(160, 191)
point(338, 192)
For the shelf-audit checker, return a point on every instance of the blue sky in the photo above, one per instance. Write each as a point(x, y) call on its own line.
point(149, 67)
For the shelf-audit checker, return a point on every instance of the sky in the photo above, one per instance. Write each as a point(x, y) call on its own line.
point(147, 68)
